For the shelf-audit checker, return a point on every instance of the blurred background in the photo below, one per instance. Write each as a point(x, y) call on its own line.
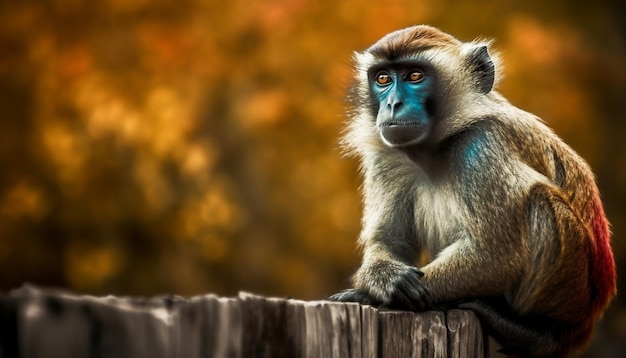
point(191, 146)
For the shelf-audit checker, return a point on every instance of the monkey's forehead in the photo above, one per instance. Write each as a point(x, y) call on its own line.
point(410, 40)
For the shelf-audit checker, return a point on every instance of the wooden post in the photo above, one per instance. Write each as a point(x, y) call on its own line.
point(46, 323)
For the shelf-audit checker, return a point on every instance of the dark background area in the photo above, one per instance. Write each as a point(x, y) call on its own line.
point(191, 146)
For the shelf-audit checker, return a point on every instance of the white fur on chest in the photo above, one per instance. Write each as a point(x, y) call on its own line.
point(441, 212)
point(437, 213)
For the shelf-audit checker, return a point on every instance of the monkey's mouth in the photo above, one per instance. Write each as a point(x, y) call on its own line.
point(401, 133)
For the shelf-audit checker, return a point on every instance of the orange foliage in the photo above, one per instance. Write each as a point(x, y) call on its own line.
point(192, 146)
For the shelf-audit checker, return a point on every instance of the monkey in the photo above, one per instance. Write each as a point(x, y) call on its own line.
point(510, 215)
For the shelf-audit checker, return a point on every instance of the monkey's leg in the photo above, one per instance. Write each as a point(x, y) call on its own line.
point(550, 310)
point(556, 283)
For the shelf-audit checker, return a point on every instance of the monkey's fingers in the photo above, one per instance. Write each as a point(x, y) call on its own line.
point(355, 295)
point(411, 293)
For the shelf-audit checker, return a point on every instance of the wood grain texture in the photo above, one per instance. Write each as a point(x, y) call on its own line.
point(48, 324)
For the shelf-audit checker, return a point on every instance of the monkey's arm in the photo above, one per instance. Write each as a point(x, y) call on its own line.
point(466, 269)
point(383, 280)
point(387, 275)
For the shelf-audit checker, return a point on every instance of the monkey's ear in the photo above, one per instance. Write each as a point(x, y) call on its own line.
point(482, 67)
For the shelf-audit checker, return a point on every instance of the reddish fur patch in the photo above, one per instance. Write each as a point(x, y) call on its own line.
point(412, 39)
point(603, 263)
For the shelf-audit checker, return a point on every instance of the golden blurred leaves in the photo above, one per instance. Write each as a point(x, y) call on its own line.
point(22, 200)
point(262, 109)
point(88, 267)
point(192, 146)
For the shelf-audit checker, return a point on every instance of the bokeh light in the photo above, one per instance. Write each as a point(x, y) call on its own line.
point(193, 146)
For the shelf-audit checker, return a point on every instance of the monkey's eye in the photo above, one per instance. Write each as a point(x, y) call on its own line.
point(415, 76)
point(383, 78)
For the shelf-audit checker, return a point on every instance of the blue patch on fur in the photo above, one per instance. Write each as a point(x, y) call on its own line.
point(474, 152)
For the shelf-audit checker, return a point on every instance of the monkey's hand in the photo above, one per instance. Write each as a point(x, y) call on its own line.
point(389, 285)
point(355, 295)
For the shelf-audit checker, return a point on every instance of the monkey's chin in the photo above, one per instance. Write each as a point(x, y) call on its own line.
point(402, 135)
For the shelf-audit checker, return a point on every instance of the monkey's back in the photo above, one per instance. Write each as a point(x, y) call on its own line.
point(573, 178)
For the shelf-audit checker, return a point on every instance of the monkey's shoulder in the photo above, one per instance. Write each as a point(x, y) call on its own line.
point(497, 141)
point(485, 142)
point(524, 149)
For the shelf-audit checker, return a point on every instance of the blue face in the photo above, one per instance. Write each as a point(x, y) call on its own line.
point(402, 92)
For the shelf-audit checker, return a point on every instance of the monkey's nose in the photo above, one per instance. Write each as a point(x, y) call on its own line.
point(393, 107)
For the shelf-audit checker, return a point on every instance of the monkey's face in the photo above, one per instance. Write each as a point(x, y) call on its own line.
point(415, 85)
point(399, 93)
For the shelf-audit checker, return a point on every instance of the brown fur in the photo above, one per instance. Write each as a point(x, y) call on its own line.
point(417, 39)
point(510, 215)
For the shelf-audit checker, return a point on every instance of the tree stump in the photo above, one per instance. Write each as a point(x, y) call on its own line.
point(46, 323)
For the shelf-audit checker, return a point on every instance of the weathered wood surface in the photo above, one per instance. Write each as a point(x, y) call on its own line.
point(36, 323)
